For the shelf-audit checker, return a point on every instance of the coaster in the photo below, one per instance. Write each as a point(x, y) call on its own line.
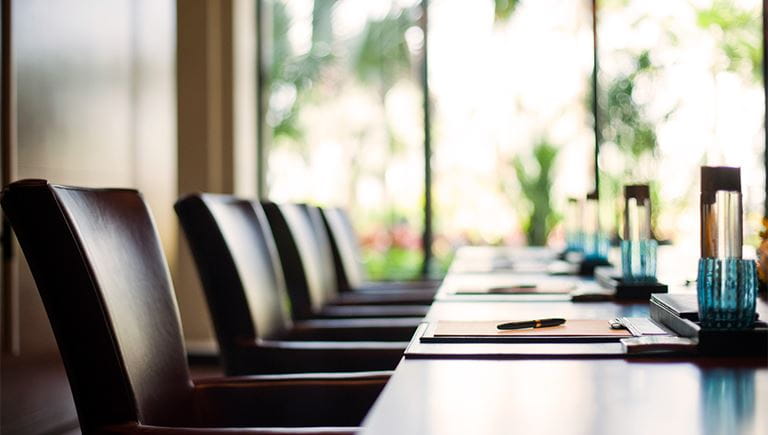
point(627, 290)
point(587, 266)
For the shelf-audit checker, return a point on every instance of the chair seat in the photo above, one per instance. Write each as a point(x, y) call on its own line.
point(394, 297)
point(374, 329)
point(137, 429)
point(268, 404)
point(279, 356)
point(385, 286)
point(367, 311)
point(328, 399)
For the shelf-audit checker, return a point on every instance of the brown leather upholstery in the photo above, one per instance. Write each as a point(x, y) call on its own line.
point(307, 265)
point(306, 256)
point(311, 238)
point(347, 258)
point(102, 275)
point(240, 273)
point(243, 281)
point(346, 250)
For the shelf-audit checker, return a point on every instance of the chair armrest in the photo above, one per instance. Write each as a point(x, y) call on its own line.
point(417, 285)
point(266, 356)
point(374, 329)
point(287, 401)
point(389, 297)
point(134, 428)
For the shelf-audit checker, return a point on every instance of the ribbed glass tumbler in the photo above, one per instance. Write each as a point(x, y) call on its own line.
point(726, 291)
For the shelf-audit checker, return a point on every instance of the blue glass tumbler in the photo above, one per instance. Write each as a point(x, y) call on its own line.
point(727, 289)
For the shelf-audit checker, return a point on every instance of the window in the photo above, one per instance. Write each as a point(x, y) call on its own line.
point(681, 86)
point(512, 123)
point(344, 113)
point(510, 93)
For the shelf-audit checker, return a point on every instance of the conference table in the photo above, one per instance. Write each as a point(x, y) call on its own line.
point(544, 390)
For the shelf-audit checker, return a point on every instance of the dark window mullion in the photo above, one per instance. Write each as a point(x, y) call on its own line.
point(426, 239)
point(765, 108)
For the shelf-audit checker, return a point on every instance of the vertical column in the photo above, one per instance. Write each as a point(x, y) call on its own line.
point(245, 94)
point(10, 288)
point(205, 103)
point(205, 130)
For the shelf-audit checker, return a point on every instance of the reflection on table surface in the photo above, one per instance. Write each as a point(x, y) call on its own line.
point(728, 400)
point(572, 397)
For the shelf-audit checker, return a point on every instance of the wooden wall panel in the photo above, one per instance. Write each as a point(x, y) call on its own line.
point(96, 107)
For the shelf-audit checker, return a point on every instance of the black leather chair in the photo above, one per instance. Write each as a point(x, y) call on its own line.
point(243, 284)
point(102, 276)
point(305, 254)
point(347, 259)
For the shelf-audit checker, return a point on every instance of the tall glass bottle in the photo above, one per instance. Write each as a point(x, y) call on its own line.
point(727, 285)
point(573, 222)
point(638, 248)
point(595, 241)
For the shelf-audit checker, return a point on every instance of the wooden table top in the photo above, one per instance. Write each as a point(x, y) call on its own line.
point(648, 395)
point(573, 397)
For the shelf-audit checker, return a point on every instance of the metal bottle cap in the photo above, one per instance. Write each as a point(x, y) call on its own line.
point(640, 192)
point(718, 178)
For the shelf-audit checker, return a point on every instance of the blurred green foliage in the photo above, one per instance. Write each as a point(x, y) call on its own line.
point(624, 122)
point(626, 126)
point(378, 58)
point(395, 263)
point(534, 173)
point(291, 75)
point(739, 34)
point(536, 177)
point(504, 9)
point(382, 57)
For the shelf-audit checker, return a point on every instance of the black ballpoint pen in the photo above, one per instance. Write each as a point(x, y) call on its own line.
point(540, 323)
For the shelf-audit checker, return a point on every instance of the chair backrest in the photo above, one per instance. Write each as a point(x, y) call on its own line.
point(310, 283)
point(323, 248)
point(100, 270)
point(347, 256)
point(238, 266)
